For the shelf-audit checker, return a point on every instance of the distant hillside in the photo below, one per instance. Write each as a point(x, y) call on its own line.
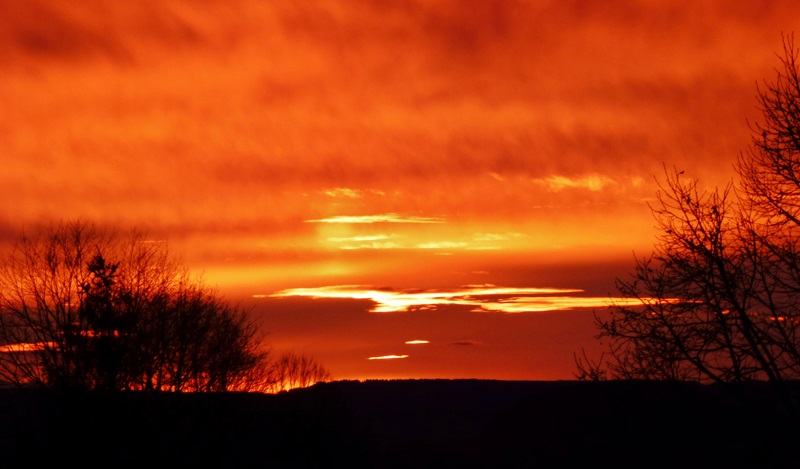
point(403, 423)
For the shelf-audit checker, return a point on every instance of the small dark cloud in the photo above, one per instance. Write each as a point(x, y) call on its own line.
point(465, 343)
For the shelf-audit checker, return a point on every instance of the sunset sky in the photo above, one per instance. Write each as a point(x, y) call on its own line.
point(402, 189)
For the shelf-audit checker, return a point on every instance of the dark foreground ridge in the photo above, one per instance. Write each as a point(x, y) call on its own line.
point(403, 423)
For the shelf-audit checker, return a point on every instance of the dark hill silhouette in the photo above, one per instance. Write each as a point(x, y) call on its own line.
point(403, 423)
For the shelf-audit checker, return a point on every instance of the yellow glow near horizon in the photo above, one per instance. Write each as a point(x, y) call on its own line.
point(24, 347)
point(383, 218)
point(481, 298)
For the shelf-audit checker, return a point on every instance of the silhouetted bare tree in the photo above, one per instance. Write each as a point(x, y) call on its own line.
point(718, 300)
point(85, 308)
point(291, 371)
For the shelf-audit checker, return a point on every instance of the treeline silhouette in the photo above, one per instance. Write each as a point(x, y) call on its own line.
point(83, 308)
point(402, 423)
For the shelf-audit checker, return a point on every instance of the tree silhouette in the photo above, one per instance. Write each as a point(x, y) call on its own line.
point(718, 299)
point(291, 371)
point(100, 310)
point(85, 308)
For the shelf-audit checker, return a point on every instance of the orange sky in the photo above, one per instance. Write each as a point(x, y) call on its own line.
point(383, 149)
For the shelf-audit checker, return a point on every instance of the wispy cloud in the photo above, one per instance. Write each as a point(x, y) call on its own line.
point(592, 182)
point(388, 357)
point(405, 240)
point(442, 245)
point(417, 342)
point(494, 237)
point(383, 218)
point(378, 241)
point(480, 298)
point(343, 192)
point(348, 193)
point(358, 239)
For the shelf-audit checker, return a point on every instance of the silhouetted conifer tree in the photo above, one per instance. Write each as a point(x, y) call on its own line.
point(83, 308)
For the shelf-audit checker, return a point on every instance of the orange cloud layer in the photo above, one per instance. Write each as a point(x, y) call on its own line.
point(276, 144)
point(245, 116)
